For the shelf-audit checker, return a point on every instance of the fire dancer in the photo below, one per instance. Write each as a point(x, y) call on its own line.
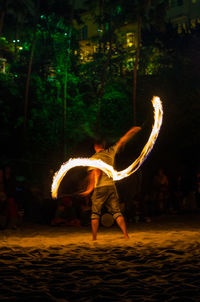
point(103, 187)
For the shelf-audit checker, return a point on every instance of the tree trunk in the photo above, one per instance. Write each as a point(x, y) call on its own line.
point(65, 88)
point(139, 29)
point(100, 23)
point(26, 101)
point(104, 76)
point(102, 87)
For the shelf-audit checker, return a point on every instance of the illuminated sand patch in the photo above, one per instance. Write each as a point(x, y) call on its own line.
point(109, 170)
point(153, 234)
point(160, 262)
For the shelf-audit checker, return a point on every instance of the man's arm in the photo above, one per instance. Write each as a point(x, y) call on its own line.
point(93, 180)
point(127, 136)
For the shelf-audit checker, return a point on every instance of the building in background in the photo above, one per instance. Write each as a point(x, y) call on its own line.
point(184, 14)
point(92, 36)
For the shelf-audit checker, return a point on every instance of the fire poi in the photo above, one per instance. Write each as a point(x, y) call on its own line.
point(109, 170)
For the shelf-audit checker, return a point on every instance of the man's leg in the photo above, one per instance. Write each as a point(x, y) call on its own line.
point(98, 199)
point(114, 208)
point(122, 224)
point(95, 226)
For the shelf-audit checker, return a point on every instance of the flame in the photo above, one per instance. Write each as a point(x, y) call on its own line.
point(109, 170)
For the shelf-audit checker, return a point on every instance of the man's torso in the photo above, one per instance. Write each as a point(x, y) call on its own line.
point(107, 156)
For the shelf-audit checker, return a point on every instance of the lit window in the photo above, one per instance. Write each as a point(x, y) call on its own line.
point(193, 23)
point(180, 29)
point(3, 65)
point(130, 39)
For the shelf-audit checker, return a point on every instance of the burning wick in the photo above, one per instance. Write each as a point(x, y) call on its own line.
point(109, 170)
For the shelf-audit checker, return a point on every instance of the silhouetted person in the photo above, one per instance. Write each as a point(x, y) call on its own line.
point(197, 190)
point(160, 183)
point(9, 182)
point(2, 184)
point(48, 207)
point(65, 213)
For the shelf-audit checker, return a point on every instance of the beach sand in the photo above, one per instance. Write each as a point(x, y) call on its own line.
point(160, 262)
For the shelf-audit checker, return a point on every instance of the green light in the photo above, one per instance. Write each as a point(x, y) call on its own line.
point(42, 16)
point(118, 9)
point(16, 76)
point(14, 41)
point(65, 34)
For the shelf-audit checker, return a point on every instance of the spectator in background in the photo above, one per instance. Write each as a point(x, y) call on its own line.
point(48, 207)
point(85, 211)
point(65, 213)
point(2, 184)
point(47, 184)
point(3, 210)
point(13, 217)
point(197, 190)
point(130, 196)
point(9, 182)
point(177, 193)
point(161, 192)
point(11, 210)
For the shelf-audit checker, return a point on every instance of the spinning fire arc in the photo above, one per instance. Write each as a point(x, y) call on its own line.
point(109, 170)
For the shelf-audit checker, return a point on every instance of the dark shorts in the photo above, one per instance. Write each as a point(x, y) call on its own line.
point(105, 195)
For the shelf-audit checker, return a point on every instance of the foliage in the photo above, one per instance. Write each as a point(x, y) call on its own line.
point(169, 67)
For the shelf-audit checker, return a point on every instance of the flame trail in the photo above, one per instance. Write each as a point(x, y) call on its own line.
point(109, 170)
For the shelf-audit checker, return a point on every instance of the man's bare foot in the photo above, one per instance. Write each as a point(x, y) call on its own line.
point(126, 236)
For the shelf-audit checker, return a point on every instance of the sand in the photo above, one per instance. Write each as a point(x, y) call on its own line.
point(160, 262)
